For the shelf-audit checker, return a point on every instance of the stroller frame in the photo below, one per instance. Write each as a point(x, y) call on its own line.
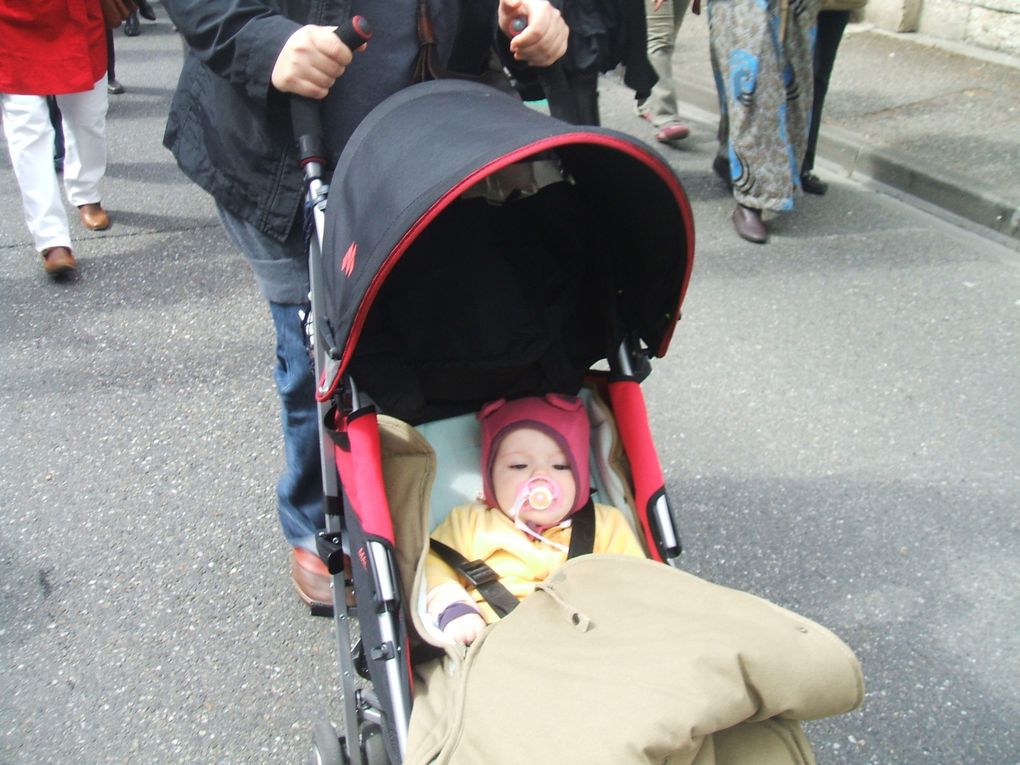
point(376, 719)
point(360, 705)
point(371, 744)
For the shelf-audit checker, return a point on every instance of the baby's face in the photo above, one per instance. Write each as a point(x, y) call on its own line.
point(528, 453)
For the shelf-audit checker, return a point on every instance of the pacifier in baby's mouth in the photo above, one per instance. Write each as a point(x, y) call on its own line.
point(539, 493)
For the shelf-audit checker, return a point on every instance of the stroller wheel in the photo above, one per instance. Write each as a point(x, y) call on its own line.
point(373, 746)
point(327, 749)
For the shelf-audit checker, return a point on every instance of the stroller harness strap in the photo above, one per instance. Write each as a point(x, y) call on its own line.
point(485, 579)
point(481, 576)
point(582, 530)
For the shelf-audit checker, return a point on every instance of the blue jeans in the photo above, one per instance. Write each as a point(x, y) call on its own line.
point(299, 490)
point(281, 270)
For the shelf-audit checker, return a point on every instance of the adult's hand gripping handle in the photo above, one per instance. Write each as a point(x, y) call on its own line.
point(304, 112)
point(553, 79)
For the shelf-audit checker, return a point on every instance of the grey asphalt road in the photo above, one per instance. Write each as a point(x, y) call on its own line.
point(838, 418)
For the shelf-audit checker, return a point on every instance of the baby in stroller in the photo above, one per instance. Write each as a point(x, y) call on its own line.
point(685, 672)
point(535, 473)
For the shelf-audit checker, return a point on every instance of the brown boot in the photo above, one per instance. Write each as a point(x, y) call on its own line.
point(749, 225)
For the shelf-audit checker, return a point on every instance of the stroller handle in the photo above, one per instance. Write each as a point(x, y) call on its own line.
point(304, 112)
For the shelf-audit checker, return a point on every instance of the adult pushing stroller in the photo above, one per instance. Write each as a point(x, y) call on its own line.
point(471, 249)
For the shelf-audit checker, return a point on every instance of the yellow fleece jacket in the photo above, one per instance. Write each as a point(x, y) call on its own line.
point(479, 532)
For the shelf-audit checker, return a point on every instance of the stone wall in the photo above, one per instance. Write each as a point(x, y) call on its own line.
point(990, 24)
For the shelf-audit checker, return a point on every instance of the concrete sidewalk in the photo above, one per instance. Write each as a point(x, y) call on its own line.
point(937, 122)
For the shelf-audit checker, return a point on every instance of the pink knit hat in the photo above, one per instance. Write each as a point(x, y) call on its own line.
point(562, 418)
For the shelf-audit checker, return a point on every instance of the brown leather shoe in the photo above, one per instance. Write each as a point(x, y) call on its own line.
point(311, 578)
point(93, 216)
point(58, 261)
point(749, 225)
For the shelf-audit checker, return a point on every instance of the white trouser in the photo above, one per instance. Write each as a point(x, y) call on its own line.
point(30, 141)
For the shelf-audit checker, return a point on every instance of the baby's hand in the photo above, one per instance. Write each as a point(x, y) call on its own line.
point(465, 629)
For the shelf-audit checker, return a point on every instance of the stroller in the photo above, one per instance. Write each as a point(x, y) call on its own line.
point(490, 251)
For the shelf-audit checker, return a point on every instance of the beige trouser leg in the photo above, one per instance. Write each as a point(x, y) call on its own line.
point(663, 27)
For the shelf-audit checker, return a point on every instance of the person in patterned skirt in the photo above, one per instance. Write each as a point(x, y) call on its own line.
point(762, 61)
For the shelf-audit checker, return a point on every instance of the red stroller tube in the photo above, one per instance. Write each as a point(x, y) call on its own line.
point(649, 484)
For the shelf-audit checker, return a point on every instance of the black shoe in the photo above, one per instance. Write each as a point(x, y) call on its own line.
point(721, 165)
point(132, 28)
point(812, 184)
point(114, 88)
point(145, 10)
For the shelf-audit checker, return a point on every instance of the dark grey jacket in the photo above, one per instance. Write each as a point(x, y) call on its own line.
point(229, 128)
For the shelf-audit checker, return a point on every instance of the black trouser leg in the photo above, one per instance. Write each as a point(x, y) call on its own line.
point(830, 31)
point(57, 120)
point(111, 60)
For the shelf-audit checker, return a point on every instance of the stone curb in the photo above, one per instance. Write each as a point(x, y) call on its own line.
point(963, 197)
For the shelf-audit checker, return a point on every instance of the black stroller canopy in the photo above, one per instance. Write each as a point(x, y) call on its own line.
point(435, 299)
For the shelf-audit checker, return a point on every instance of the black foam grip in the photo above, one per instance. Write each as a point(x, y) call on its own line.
point(304, 116)
point(304, 112)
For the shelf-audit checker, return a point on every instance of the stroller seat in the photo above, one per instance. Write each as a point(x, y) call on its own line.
point(433, 467)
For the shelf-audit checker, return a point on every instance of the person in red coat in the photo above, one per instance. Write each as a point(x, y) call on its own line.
point(57, 47)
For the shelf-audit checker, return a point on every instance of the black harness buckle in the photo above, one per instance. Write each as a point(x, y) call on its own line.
point(478, 572)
